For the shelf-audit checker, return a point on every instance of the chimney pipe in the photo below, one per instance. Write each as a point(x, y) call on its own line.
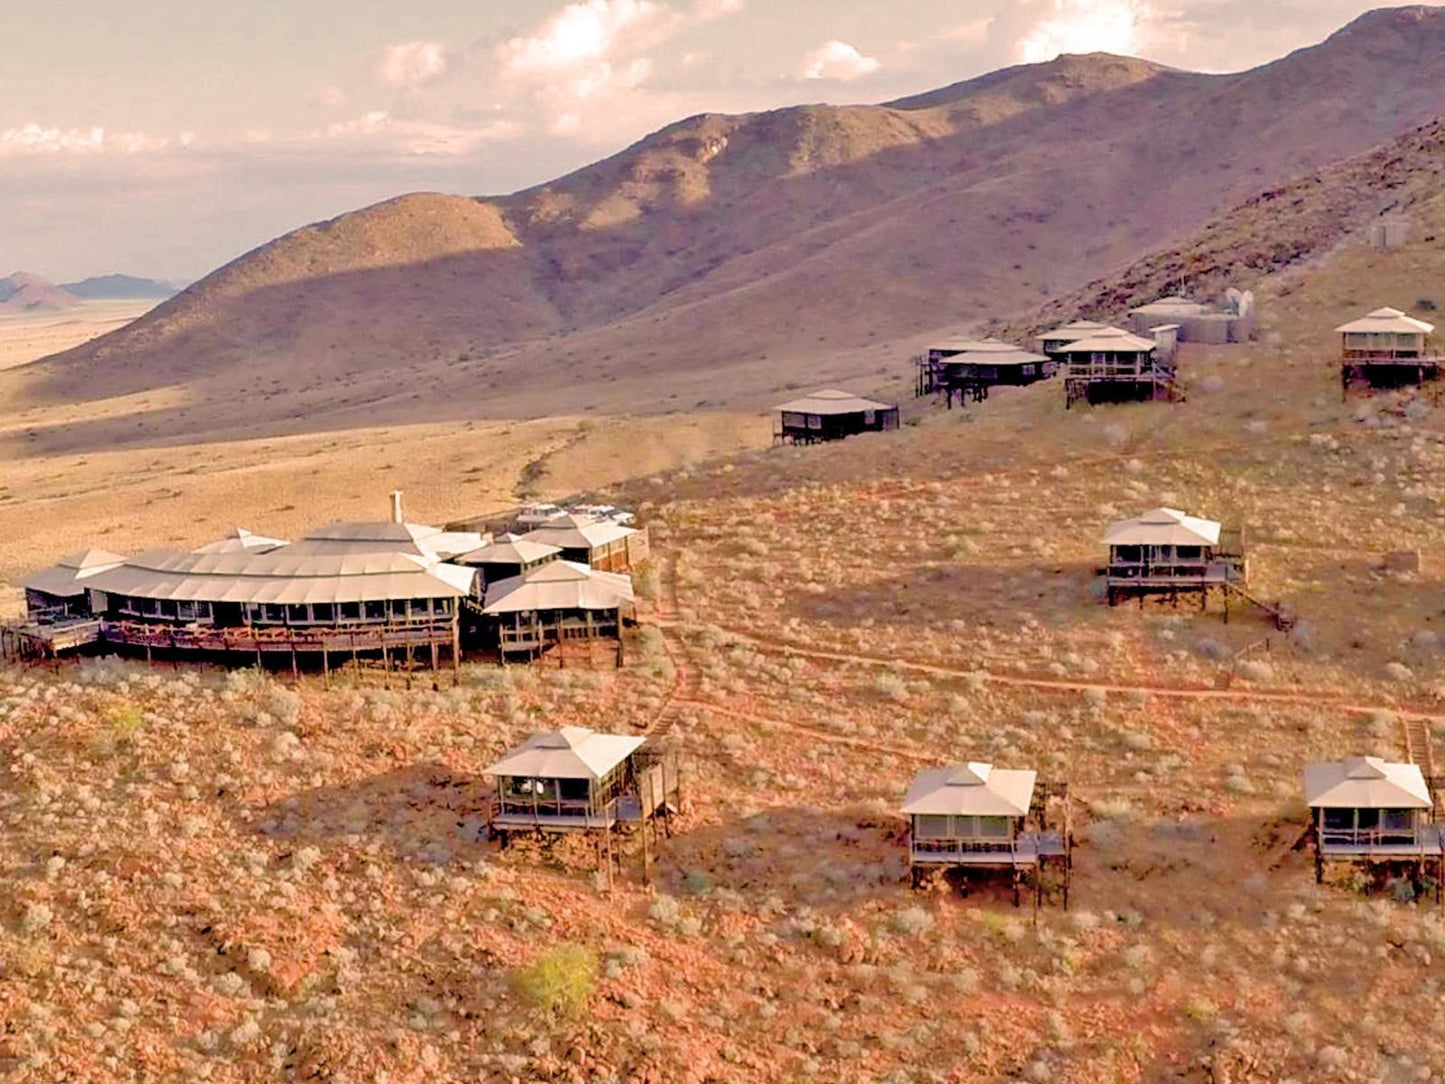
point(396, 506)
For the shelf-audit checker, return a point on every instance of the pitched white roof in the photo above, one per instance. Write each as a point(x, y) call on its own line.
point(573, 532)
point(384, 536)
point(68, 576)
point(559, 585)
point(517, 551)
point(1163, 527)
point(961, 345)
point(1079, 329)
point(1365, 783)
point(1012, 356)
point(831, 401)
point(1110, 338)
point(285, 575)
point(240, 541)
point(972, 789)
point(573, 752)
point(1388, 321)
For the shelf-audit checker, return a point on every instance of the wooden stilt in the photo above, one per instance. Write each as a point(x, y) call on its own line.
point(325, 667)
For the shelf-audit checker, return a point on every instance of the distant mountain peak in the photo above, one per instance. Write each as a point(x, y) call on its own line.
point(22, 291)
point(118, 287)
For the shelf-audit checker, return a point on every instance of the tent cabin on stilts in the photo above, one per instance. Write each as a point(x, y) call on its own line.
point(831, 414)
point(576, 780)
point(1387, 349)
point(977, 817)
point(1371, 812)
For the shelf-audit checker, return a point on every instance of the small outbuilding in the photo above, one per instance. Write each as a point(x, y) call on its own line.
point(603, 544)
point(977, 816)
point(831, 414)
point(1366, 810)
point(1387, 349)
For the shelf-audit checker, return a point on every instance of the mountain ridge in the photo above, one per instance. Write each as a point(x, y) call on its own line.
point(778, 246)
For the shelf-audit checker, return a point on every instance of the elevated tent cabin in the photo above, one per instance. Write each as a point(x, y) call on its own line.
point(831, 415)
point(1387, 349)
point(553, 603)
point(503, 560)
point(976, 815)
point(1114, 366)
point(603, 544)
point(1171, 552)
point(575, 779)
point(1365, 809)
point(969, 368)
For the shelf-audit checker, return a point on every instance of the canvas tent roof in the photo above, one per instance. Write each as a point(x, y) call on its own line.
point(241, 541)
point(516, 551)
point(559, 585)
point(1365, 783)
point(573, 752)
point(831, 401)
point(1387, 321)
point(1110, 338)
point(973, 789)
point(1173, 305)
point(385, 536)
point(962, 345)
point(1012, 356)
point(283, 576)
point(1077, 330)
point(1163, 527)
point(577, 532)
point(71, 572)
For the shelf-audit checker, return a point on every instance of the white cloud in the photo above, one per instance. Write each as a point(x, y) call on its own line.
point(413, 63)
point(1086, 26)
point(378, 131)
point(838, 60)
point(582, 33)
point(33, 139)
point(707, 10)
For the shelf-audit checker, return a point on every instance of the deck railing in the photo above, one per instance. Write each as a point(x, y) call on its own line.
point(249, 638)
point(1377, 838)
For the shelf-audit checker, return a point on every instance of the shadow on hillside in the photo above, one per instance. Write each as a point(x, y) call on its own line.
point(424, 812)
point(935, 594)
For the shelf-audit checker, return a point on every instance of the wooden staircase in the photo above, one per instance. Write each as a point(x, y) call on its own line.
point(1420, 750)
point(1284, 618)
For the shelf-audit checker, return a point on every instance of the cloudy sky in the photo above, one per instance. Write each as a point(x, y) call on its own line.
point(163, 137)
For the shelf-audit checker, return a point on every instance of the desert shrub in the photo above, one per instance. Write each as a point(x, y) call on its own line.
point(665, 910)
point(561, 981)
point(1255, 670)
point(911, 920)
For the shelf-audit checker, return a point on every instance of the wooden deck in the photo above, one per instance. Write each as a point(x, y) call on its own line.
point(1028, 849)
point(1379, 845)
point(31, 640)
point(284, 639)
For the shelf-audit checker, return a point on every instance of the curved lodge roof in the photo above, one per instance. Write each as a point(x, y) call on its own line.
point(516, 552)
point(971, 789)
point(72, 574)
point(576, 533)
point(1163, 527)
point(832, 401)
point(1388, 322)
point(559, 585)
point(283, 576)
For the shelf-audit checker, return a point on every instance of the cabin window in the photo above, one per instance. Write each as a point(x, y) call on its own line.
point(1397, 819)
point(376, 610)
point(993, 827)
point(868, 417)
point(253, 612)
point(297, 615)
point(398, 607)
point(1189, 553)
point(186, 611)
point(931, 826)
point(1028, 370)
point(273, 613)
point(573, 790)
point(169, 608)
point(323, 612)
point(151, 607)
point(1340, 820)
point(203, 611)
point(351, 611)
point(1128, 553)
point(815, 422)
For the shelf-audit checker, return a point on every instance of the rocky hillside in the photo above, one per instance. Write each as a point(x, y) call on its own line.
point(723, 257)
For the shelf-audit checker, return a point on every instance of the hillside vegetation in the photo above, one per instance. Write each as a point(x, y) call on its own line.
point(723, 258)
